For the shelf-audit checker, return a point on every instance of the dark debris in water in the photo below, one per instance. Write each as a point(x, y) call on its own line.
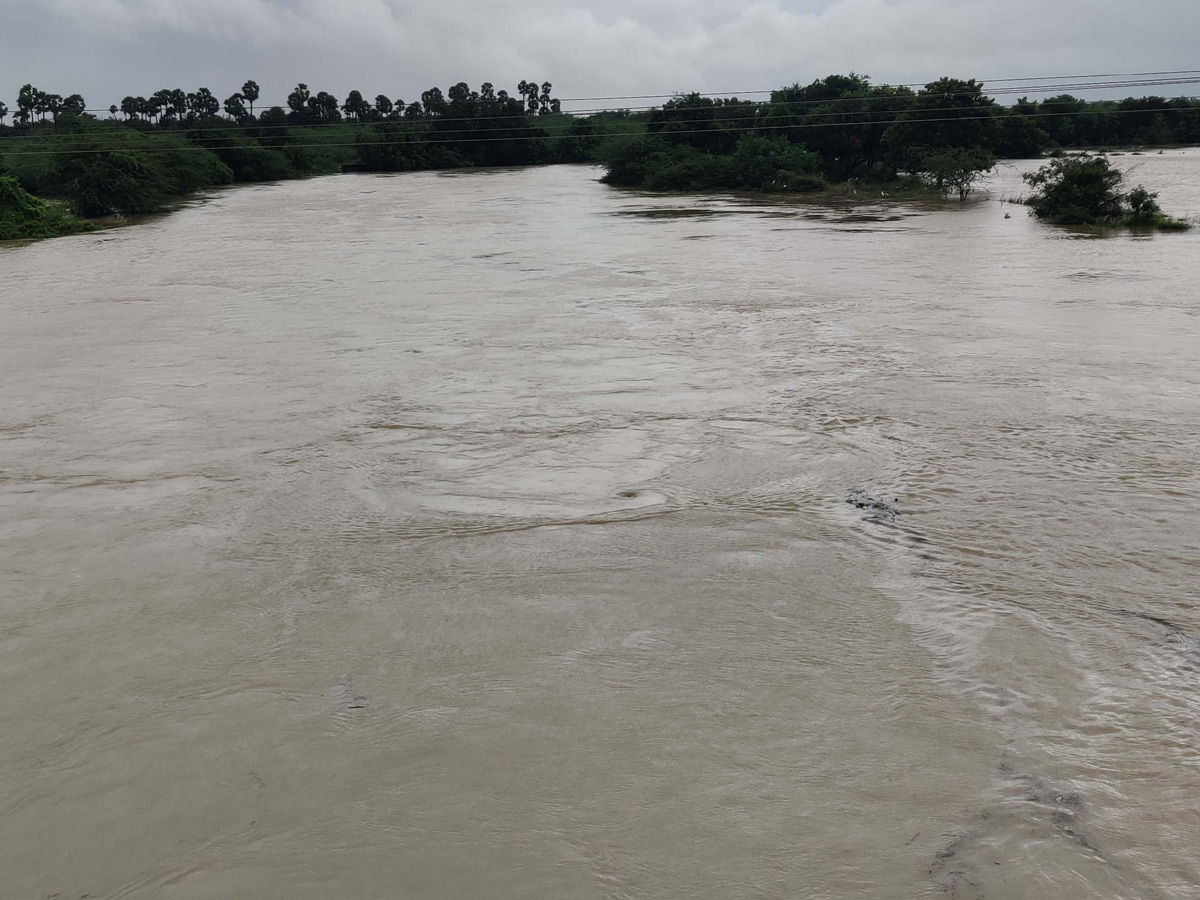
point(1032, 805)
point(345, 698)
point(878, 509)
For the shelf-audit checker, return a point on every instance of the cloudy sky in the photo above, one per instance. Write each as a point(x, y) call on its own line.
point(106, 49)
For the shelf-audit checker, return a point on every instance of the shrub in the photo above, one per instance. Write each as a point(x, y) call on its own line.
point(756, 164)
point(390, 148)
point(24, 217)
point(1086, 190)
point(1077, 190)
point(101, 182)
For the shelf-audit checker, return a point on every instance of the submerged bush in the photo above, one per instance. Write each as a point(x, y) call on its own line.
point(1086, 190)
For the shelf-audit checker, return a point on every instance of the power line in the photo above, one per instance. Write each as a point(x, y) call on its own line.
point(282, 130)
point(710, 131)
point(983, 82)
point(905, 115)
point(907, 84)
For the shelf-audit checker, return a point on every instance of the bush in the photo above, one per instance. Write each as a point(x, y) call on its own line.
point(1143, 207)
point(390, 148)
point(1077, 190)
point(776, 165)
point(580, 145)
point(24, 217)
point(756, 164)
point(101, 182)
point(1086, 190)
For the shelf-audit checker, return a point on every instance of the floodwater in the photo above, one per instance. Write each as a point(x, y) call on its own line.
point(502, 535)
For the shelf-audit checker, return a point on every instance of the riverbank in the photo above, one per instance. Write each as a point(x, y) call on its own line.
point(23, 217)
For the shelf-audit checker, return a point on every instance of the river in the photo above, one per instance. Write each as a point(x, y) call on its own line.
point(502, 535)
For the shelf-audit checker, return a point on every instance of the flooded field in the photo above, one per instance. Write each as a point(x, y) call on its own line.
point(502, 535)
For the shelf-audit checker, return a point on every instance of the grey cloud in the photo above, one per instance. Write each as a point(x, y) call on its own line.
point(109, 48)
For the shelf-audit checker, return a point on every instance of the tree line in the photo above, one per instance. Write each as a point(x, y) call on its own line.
point(174, 107)
point(944, 134)
point(148, 151)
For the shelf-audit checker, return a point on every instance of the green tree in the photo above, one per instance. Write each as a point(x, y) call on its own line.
point(251, 94)
point(26, 102)
point(955, 169)
point(164, 100)
point(691, 120)
point(324, 108)
point(948, 112)
point(179, 103)
point(355, 106)
point(272, 127)
point(433, 102)
point(235, 107)
point(1021, 137)
point(297, 101)
point(384, 106)
point(841, 117)
point(203, 104)
point(583, 137)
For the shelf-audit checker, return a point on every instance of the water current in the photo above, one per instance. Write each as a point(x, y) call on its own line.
point(503, 535)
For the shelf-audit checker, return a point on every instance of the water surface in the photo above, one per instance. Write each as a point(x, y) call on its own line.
point(503, 535)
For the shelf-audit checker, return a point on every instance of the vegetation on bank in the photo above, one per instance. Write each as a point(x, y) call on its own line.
point(148, 152)
point(771, 165)
point(943, 137)
point(24, 217)
point(1087, 191)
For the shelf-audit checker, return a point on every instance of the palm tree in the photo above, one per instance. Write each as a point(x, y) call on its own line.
point(235, 107)
point(250, 94)
point(26, 102)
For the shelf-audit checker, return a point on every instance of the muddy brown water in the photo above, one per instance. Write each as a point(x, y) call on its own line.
point(503, 535)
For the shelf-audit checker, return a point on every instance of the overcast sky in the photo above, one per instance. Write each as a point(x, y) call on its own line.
point(106, 49)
